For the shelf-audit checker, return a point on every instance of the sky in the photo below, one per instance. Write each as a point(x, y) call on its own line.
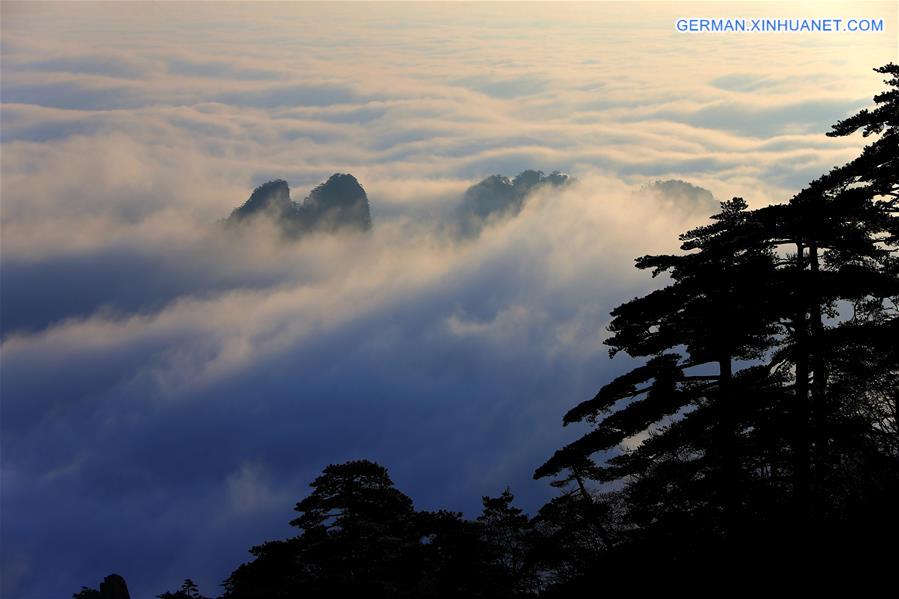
point(168, 389)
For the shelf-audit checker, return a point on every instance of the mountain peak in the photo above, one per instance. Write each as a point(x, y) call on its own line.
point(339, 187)
point(683, 193)
point(340, 202)
point(271, 198)
point(498, 196)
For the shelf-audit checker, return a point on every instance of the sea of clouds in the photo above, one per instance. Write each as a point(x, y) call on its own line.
point(170, 388)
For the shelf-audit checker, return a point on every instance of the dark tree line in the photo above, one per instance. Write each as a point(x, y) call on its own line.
point(360, 536)
point(762, 421)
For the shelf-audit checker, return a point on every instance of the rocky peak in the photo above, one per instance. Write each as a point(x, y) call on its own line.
point(271, 198)
point(499, 196)
point(340, 202)
point(683, 194)
point(339, 190)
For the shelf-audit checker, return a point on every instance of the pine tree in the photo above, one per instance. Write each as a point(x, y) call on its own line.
point(356, 530)
point(769, 397)
point(505, 531)
point(841, 286)
point(714, 312)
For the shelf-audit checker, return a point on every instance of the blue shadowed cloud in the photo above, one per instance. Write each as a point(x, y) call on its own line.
point(169, 391)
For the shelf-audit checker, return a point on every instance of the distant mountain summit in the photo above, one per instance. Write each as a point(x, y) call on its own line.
point(338, 203)
point(499, 197)
point(684, 194)
point(272, 198)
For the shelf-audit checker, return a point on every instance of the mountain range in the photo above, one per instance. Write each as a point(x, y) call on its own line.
point(340, 203)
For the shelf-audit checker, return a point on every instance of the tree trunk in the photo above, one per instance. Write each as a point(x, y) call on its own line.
point(727, 441)
point(591, 512)
point(801, 407)
point(819, 405)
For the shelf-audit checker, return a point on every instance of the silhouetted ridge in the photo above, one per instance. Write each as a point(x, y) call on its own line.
point(338, 203)
point(499, 197)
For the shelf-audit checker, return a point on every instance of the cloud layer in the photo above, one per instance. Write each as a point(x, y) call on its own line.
point(169, 389)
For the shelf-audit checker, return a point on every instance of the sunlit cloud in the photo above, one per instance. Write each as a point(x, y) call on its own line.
point(162, 374)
